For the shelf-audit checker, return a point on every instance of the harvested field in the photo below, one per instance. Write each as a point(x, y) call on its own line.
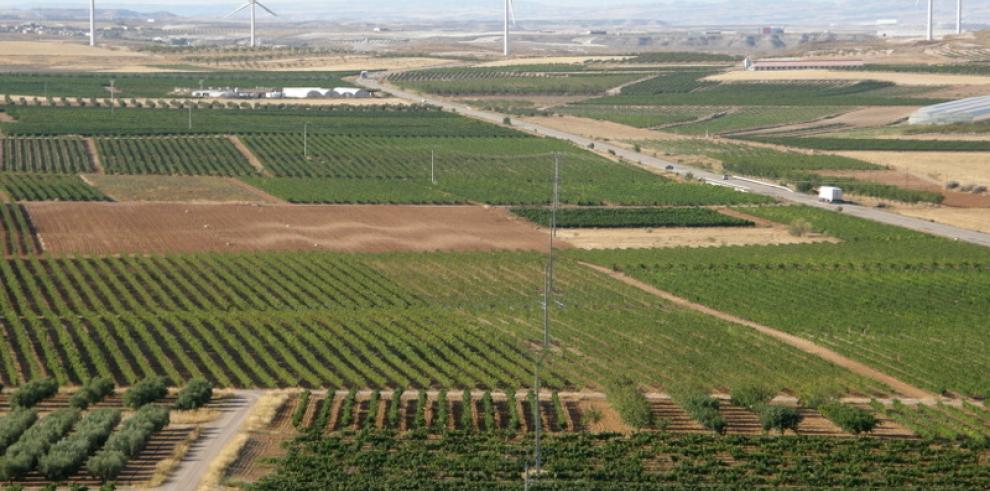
point(29, 48)
point(964, 167)
point(123, 228)
point(869, 117)
point(195, 189)
point(683, 237)
point(920, 79)
point(593, 128)
point(551, 60)
point(973, 218)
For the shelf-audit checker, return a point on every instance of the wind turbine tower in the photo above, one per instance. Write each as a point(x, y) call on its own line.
point(92, 22)
point(959, 16)
point(931, 20)
point(510, 16)
point(253, 4)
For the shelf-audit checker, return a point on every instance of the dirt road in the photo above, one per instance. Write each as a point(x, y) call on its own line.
point(802, 344)
point(216, 435)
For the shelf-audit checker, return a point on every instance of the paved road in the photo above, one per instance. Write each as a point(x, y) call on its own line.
point(748, 185)
point(216, 435)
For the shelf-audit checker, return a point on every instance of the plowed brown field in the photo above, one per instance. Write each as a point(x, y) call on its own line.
point(124, 228)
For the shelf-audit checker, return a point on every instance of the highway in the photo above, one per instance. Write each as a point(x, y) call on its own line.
point(878, 215)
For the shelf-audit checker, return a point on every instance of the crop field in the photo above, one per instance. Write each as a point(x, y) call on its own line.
point(909, 300)
point(156, 85)
point(173, 156)
point(800, 169)
point(55, 155)
point(632, 217)
point(329, 120)
point(485, 82)
point(354, 191)
point(757, 117)
point(584, 461)
point(687, 89)
point(879, 144)
point(40, 187)
point(17, 231)
point(642, 117)
point(465, 320)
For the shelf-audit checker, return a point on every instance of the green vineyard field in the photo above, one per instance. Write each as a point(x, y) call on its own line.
point(632, 217)
point(382, 460)
point(490, 82)
point(173, 156)
point(40, 187)
point(16, 231)
point(909, 302)
point(464, 320)
point(55, 155)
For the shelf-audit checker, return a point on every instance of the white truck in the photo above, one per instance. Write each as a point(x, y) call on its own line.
point(830, 194)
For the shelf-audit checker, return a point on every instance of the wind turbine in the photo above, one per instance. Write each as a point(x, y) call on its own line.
point(959, 16)
point(931, 20)
point(510, 15)
point(92, 22)
point(253, 4)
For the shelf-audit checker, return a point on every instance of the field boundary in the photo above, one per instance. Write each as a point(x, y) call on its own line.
point(800, 343)
point(249, 155)
point(94, 155)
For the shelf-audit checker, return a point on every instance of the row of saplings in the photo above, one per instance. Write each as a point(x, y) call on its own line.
point(635, 410)
point(61, 443)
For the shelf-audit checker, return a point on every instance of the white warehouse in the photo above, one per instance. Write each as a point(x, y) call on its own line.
point(319, 92)
point(971, 110)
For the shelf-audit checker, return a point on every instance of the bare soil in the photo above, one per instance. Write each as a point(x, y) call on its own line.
point(185, 189)
point(972, 218)
point(122, 228)
point(868, 117)
point(964, 167)
point(684, 237)
point(248, 154)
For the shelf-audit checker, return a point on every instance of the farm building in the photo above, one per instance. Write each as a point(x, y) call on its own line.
point(798, 64)
point(318, 92)
point(969, 110)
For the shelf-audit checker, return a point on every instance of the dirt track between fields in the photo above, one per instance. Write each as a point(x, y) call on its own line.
point(139, 228)
point(802, 344)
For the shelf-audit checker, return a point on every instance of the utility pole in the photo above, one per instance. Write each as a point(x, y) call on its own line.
point(547, 301)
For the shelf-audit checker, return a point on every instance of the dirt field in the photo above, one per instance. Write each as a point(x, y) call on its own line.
point(682, 237)
point(925, 79)
point(593, 128)
point(964, 167)
point(972, 218)
point(351, 63)
point(563, 60)
point(868, 117)
point(121, 228)
point(195, 189)
point(76, 50)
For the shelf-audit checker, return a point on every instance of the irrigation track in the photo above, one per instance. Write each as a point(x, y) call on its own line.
point(901, 387)
point(216, 435)
point(376, 82)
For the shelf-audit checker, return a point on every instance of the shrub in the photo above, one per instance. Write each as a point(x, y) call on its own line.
point(778, 417)
point(558, 410)
point(488, 411)
point(393, 409)
point(127, 441)
point(14, 424)
point(751, 396)
point(347, 409)
point(420, 418)
point(703, 408)
point(851, 419)
point(467, 421)
point(442, 415)
point(514, 423)
point(371, 419)
point(300, 412)
point(67, 456)
point(34, 392)
point(22, 456)
point(95, 390)
point(145, 392)
point(630, 403)
point(194, 395)
point(800, 228)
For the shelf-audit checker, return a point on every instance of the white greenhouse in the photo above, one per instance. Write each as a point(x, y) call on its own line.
point(971, 110)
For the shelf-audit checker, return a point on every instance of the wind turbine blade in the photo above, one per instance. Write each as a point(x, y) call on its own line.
point(266, 8)
point(512, 13)
point(239, 9)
